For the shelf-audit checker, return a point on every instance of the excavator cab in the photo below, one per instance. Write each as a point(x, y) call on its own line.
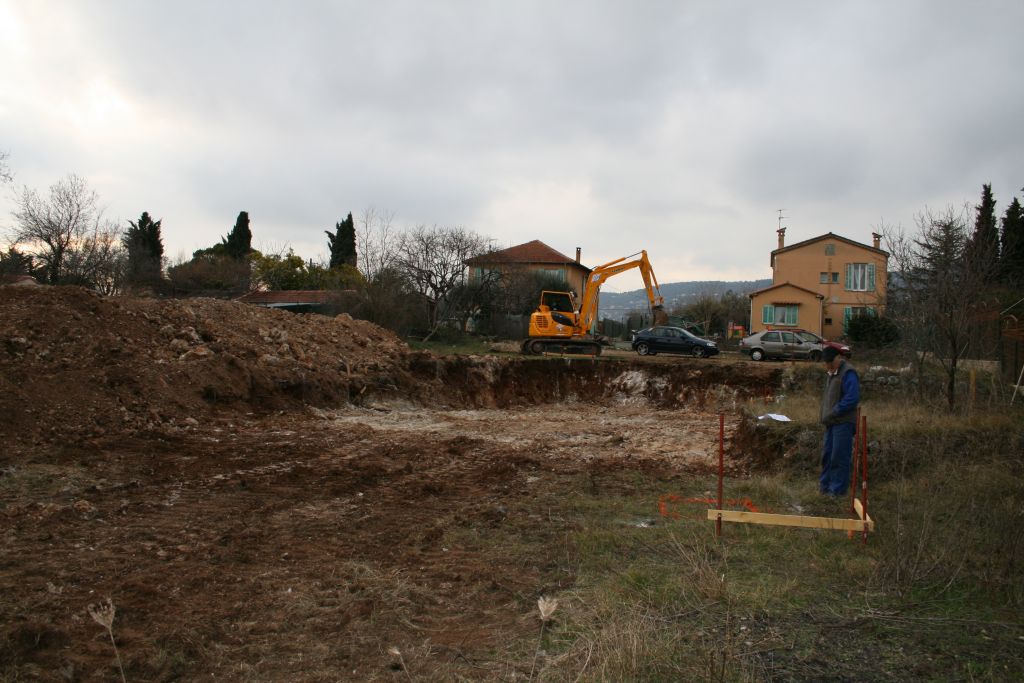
point(558, 302)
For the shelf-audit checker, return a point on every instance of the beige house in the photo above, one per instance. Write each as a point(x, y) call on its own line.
point(820, 283)
point(531, 257)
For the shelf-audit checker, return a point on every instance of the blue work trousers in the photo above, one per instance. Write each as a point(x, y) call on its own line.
point(836, 454)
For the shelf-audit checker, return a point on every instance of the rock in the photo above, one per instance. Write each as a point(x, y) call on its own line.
point(179, 345)
point(190, 334)
point(198, 353)
point(167, 331)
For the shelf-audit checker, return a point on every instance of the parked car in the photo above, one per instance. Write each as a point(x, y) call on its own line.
point(778, 344)
point(815, 339)
point(666, 339)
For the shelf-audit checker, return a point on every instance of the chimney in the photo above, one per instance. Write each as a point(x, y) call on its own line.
point(782, 237)
point(877, 240)
point(578, 254)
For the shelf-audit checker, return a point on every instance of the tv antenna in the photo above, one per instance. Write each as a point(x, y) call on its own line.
point(781, 217)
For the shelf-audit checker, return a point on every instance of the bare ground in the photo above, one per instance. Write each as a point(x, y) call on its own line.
point(304, 494)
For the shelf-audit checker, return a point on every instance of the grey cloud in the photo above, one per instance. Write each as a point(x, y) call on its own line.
point(688, 121)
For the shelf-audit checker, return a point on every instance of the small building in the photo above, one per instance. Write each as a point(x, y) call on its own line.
point(820, 283)
point(531, 257)
point(326, 301)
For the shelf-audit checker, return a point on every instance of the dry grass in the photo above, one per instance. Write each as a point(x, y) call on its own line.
point(103, 614)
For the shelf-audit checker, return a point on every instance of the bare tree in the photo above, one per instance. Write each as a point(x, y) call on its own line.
point(433, 259)
point(940, 292)
point(5, 170)
point(377, 242)
point(67, 235)
point(706, 311)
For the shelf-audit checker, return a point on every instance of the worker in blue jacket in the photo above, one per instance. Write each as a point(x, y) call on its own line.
point(839, 415)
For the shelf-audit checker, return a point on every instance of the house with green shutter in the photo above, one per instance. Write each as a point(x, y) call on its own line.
point(819, 284)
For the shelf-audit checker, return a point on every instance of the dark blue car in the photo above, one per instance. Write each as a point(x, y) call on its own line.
point(665, 339)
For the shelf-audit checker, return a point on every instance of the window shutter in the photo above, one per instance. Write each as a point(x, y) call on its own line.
point(768, 314)
point(791, 315)
point(847, 314)
point(871, 277)
point(849, 276)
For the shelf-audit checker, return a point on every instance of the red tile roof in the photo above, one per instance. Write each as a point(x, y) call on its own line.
point(827, 236)
point(530, 252)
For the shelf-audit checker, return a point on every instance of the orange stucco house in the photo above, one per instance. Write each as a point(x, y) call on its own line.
point(820, 283)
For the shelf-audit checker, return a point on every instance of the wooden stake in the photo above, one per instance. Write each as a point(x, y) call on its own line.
point(721, 470)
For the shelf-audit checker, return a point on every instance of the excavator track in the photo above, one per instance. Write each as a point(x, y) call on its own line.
point(537, 346)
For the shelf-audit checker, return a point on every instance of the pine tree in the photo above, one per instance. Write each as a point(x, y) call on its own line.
point(238, 243)
point(342, 243)
point(1012, 261)
point(145, 250)
point(983, 247)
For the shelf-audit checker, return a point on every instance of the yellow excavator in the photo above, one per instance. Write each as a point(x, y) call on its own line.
point(559, 326)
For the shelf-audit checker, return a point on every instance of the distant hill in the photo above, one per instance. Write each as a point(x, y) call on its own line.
point(616, 305)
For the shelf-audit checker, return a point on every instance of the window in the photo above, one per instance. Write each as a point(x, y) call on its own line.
point(771, 337)
point(789, 338)
point(557, 301)
point(854, 311)
point(828, 321)
point(552, 273)
point(779, 314)
point(480, 274)
point(824, 278)
point(835, 278)
point(860, 277)
point(830, 250)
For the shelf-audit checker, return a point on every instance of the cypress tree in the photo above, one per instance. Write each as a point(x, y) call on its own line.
point(342, 243)
point(238, 243)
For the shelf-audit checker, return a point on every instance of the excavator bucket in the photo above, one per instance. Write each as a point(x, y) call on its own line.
point(659, 315)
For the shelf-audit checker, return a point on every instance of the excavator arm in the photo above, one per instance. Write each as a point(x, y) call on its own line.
point(588, 308)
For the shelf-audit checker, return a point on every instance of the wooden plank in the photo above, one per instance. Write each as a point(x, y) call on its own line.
point(859, 509)
point(745, 517)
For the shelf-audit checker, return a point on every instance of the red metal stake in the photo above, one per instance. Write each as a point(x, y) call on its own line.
point(864, 474)
point(721, 470)
point(856, 467)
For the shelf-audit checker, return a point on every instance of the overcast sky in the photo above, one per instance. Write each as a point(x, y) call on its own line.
point(676, 127)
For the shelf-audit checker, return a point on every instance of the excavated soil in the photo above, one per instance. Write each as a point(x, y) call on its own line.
point(266, 496)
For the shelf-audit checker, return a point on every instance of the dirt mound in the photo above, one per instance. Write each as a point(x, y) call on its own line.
point(74, 364)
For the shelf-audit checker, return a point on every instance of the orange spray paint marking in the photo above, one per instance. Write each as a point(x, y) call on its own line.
point(668, 503)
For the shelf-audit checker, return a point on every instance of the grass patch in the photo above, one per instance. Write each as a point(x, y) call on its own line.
point(935, 595)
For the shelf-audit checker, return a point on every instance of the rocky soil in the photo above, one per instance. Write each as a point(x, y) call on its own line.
point(269, 496)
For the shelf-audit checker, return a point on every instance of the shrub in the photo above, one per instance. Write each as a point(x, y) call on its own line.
point(872, 331)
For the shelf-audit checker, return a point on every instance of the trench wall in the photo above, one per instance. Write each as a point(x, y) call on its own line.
point(485, 382)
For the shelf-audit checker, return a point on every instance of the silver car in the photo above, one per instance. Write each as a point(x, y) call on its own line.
point(779, 344)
